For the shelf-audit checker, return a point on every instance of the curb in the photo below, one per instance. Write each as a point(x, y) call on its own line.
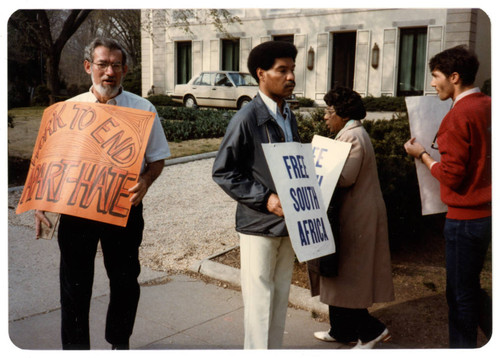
point(190, 158)
point(299, 297)
point(168, 162)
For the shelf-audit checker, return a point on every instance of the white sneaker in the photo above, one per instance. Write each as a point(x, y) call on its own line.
point(324, 336)
point(385, 336)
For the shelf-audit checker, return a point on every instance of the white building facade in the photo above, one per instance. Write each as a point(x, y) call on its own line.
point(376, 52)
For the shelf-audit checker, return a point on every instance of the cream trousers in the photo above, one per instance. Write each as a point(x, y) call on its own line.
point(266, 275)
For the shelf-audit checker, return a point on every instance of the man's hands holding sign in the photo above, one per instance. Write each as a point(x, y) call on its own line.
point(138, 191)
point(274, 205)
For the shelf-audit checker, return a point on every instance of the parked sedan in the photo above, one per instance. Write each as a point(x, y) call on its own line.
point(227, 89)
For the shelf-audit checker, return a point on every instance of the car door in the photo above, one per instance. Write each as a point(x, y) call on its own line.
point(202, 89)
point(224, 91)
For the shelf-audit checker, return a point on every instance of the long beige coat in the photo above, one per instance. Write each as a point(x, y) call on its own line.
point(364, 271)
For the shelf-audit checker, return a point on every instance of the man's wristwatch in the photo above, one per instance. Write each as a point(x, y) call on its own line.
point(421, 154)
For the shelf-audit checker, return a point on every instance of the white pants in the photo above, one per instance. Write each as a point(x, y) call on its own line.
point(266, 275)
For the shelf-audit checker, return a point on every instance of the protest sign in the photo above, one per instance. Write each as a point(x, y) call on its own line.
point(329, 158)
point(425, 114)
point(292, 168)
point(86, 157)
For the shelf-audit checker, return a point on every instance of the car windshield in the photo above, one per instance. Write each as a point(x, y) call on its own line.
point(243, 79)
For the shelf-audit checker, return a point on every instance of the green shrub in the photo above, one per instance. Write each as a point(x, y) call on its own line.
point(190, 123)
point(305, 102)
point(384, 104)
point(163, 100)
point(397, 175)
point(191, 114)
point(310, 124)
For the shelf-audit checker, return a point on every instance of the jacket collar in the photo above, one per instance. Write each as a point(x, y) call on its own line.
point(261, 110)
point(351, 124)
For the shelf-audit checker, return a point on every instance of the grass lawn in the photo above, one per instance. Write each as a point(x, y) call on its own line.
point(26, 122)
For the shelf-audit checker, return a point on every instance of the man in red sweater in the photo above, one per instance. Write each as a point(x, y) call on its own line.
point(464, 174)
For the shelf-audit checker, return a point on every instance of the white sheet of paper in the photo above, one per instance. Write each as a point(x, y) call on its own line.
point(425, 114)
point(329, 159)
point(292, 168)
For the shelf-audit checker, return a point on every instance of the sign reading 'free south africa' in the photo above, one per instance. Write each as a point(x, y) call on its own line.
point(86, 157)
point(292, 168)
point(329, 159)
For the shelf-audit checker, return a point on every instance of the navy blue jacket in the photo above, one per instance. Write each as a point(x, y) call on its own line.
point(241, 170)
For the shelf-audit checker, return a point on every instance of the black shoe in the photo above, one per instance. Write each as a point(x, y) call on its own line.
point(124, 346)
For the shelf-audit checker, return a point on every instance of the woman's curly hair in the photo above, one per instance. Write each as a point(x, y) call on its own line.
point(347, 103)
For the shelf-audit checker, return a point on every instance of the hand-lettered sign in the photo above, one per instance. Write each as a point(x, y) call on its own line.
point(86, 157)
point(329, 158)
point(292, 168)
point(425, 114)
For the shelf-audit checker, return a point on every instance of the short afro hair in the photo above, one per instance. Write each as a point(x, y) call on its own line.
point(264, 55)
point(347, 103)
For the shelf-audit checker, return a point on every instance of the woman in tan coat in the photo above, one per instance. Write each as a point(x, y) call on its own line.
point(360, 273)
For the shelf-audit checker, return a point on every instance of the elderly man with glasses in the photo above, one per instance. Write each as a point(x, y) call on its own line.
point(106, 63)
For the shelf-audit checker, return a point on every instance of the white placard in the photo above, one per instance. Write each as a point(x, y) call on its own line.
point(292, 168)
point(425, 114)
point(329, 159)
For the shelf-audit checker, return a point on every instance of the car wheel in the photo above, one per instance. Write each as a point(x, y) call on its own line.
point(189, 102)
point(243, 101)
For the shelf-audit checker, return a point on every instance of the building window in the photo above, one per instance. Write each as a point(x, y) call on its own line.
point(183, 62)
point(231, 55)
point(412, 65)
point(285, 38)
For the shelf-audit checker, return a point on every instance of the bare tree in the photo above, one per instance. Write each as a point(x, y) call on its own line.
point(124, 26)
point(121, 25)
point(183, 19)
point(50, 30)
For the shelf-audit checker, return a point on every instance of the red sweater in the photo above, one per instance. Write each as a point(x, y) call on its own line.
point(464, 142)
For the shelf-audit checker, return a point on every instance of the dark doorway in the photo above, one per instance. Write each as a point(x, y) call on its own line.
point(344, 50)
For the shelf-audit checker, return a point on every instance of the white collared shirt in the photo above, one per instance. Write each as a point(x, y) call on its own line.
point(465, 93)
point(282, 120)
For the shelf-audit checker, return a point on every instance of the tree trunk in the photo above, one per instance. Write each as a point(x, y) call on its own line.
point(53, 83)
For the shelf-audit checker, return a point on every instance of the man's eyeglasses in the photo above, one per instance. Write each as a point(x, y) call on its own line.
point(434, 144)
point(102, 66)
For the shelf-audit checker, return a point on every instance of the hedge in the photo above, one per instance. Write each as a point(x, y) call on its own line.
point(397, 175)
point(384, 104)
point(181, 123)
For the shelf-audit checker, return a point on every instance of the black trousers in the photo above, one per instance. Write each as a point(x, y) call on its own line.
point(78, 239)
point(351, 324)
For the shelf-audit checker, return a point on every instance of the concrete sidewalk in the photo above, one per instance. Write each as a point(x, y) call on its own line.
point(175, 312)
